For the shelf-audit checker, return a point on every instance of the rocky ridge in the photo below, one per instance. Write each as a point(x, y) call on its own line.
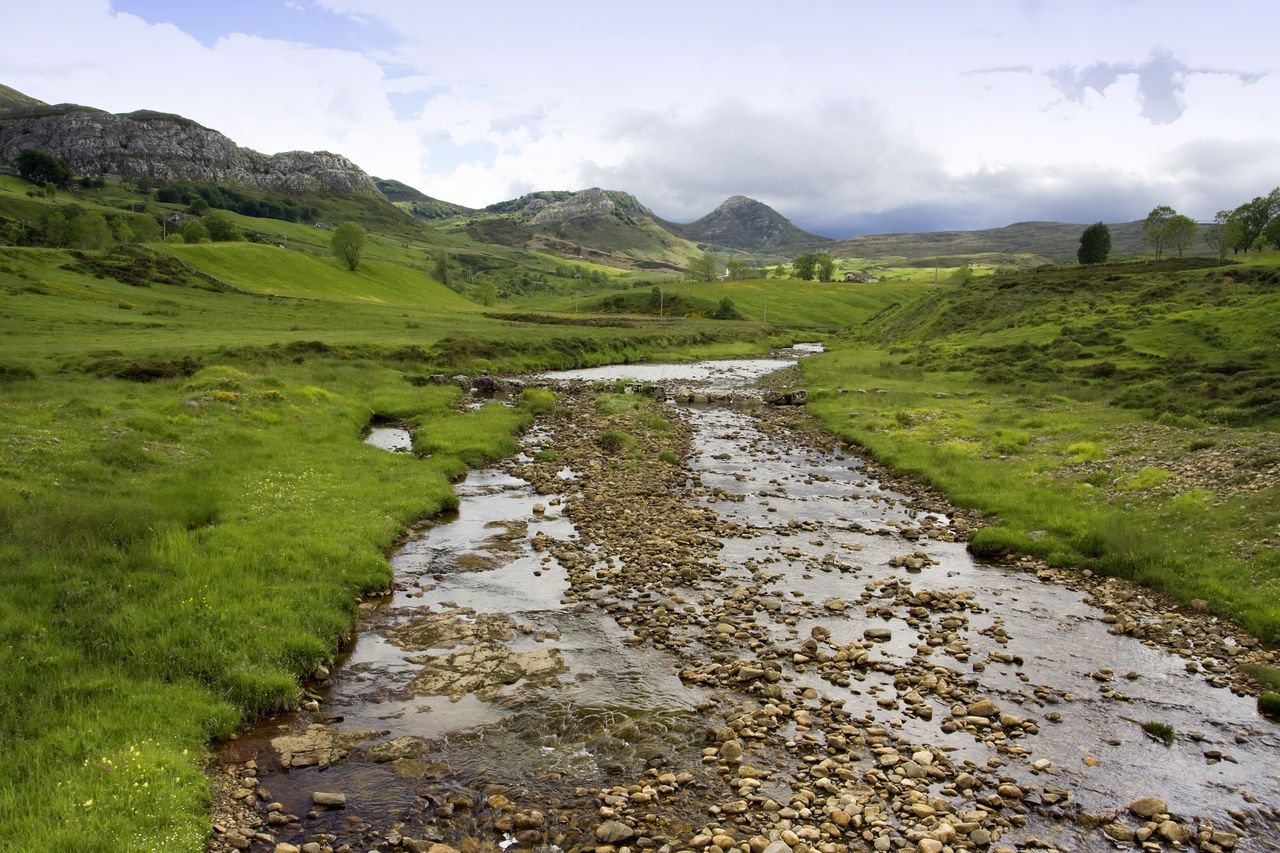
point(162, 148)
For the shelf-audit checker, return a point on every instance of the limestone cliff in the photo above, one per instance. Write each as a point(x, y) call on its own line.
point(164, 148)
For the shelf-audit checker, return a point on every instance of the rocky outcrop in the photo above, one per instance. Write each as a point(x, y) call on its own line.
point(591, 204)
point(164, 148)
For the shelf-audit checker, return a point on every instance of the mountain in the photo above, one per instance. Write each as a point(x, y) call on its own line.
point(165, 148)
point(417, 203)
point(600, 225)
point(1055, 241)
point(748, 225)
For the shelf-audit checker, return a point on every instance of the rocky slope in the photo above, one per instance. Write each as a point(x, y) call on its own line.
point(164, 148)
point(750, 226)
point(602, 225)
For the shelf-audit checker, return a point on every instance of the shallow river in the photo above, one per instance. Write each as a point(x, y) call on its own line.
point(574, 702)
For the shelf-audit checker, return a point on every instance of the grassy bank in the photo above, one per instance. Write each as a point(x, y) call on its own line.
point(187, 514)
point(1121, 419)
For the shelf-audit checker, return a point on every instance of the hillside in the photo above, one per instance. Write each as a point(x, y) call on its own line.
point(1056, 241)
point(417, 203)
point(1119, 418)
point(748, 225)
point(165, 148)
point(11, 99)
point(603, 226)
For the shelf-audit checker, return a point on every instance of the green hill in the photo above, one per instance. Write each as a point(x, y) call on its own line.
point(280, 272)
point(1056, 241)
point(417, 203)
point(13, 99)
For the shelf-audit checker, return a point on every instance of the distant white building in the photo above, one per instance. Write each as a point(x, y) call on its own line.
point(860, 278)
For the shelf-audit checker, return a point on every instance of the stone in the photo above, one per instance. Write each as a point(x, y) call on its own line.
point(778, 847)
point(1147, 807)
point(731, 751)
point(613, 831)
point(929, 845)
point(1174, 832)
point(329, 800)
point(983, 708)
point(282, 847)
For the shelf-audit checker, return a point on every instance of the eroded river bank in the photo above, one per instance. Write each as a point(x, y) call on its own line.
point(756, 644)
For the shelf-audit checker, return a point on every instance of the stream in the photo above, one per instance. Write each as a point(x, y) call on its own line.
point(769, 647)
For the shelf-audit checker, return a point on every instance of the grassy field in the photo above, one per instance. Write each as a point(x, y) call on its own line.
point(783, 302)
point(1122, 419)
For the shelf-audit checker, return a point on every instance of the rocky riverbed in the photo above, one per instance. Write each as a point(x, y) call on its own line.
point(760, 644)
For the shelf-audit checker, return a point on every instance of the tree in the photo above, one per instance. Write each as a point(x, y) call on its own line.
point(444, 272)
point(1253, 217)
point(1272, 232)
point(222, 229)
point(54, 228)
point(826, 267)
point(705, 267)
point(193, 232)
point(1095, 244)
point(88, 230)
point(725, 310)
point(41, 167)
point(488, 293)
point(348, 244)
point(780, 271)
point(739, 270)
point(1153, 229)
point(198, 206)
point(805, 265)
point(1180, 232)
point(961, 276)
point(1215, 234)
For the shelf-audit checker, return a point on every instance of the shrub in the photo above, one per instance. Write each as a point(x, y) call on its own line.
point(538, 401)
point(613, 441)
point(1269, 704)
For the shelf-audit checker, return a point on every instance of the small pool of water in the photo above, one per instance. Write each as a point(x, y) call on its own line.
point(390, 439)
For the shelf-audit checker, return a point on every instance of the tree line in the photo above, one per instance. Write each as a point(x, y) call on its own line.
point(1250, 227)
point(806, 266)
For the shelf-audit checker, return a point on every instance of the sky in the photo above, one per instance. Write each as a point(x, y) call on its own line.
point(847, 117)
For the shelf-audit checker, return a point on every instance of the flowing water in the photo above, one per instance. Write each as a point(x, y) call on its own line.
point(567, 701)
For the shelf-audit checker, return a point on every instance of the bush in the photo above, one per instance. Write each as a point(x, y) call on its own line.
point(1269, 705)
point(221, 229)
point(41, 167)
point(193, 232)
point(613, 441)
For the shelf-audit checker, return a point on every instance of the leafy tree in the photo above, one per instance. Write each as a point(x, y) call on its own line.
point(780, 271)
point(121, 230)
point(739, 270)
point(1180, 232)
point(198, 207)
point(804, 265)
point(55, 229)
point(1153, 229)
point(1215, 234)
point(1272, 232)
point(725, 310)
point(145, 229)
point(488, 293)
point(826, 267)
point(193, 231)
point(221, 228)
point(50, 189)
point(443, 271)
point(41, 167)
point(348, 244)
point(961, 275)
point(88, 230)
point(1095, 244)
point(705, 267)
point(1253, 217)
